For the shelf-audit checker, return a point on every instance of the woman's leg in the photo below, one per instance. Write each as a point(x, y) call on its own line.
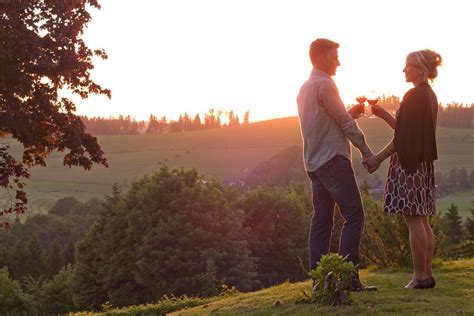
point(419, 247)
point(431, 243)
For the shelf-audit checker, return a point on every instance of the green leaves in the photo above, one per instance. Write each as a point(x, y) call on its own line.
point(41, 53)
point(332, 277)
point(174, 232)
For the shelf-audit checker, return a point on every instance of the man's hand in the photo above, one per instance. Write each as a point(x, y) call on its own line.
point(371, 163)
point(356, 111)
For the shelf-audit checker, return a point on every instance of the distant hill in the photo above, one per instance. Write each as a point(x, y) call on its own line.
point(281, 169)
point(225, 153)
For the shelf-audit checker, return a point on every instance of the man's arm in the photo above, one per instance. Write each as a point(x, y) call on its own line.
point(336, 110)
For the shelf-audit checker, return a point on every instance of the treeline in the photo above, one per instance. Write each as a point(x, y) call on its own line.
point(454, 115)
point(453, 181)
point(125, 125)
point(44, 244)
point(177, 232)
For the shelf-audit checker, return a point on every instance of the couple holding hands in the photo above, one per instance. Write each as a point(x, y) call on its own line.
point(327, 128)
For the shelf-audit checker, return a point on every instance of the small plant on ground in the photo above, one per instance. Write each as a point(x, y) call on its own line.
point(332, 280)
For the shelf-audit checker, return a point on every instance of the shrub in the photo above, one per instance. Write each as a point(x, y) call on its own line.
point(385, 241)
point(332, 278)
point(12, 298)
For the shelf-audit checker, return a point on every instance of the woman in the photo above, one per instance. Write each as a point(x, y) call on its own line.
point(410, 185)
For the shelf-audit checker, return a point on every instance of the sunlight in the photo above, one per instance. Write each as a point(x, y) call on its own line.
point(166, 61)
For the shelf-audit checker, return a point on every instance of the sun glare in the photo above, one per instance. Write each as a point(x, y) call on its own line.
point(166, 60)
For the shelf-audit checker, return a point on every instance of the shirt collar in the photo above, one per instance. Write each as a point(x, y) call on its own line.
point(318, 73)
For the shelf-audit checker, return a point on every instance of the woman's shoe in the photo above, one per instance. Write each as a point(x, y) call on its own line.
point(411, 284)
point(425, 284)
point(432, 283)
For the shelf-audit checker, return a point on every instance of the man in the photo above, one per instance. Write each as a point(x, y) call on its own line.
point(327, 128)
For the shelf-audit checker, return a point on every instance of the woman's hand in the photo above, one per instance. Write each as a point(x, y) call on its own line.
point(379, 111)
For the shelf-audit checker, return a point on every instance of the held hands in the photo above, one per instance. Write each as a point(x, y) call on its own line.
point(371, 163)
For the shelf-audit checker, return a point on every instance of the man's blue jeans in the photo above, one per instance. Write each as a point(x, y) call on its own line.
point(335, 183)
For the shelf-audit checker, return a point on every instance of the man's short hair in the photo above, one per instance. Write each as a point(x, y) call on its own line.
point(320, 47)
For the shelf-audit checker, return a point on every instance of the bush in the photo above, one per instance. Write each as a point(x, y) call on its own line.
point(385, 241)
point(277, 220)
point(57, 295)
point(458, 251)
point(12, 298)
point(332, 278)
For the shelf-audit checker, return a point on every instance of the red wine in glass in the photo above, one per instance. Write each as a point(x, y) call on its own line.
point(361, 100)
point(373, 101)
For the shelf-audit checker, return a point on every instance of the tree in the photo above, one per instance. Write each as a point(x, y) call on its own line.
point(187, 122)
point(471, 179)
point(246, 118)
point(42, 245)
point(53, 259)
point(12, 298)
point(197, 122)
point(160, 238)
point(36, 258)
point(41, 53)
point(452, 225)
point(153, 125)
point(233, 118)
point(469, 224)
point(57, 294)
point(277, 220)
point(452, 178)
point(463, 179)
point(64, 206)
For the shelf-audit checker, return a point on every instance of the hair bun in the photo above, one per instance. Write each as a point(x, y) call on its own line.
point(432, 60)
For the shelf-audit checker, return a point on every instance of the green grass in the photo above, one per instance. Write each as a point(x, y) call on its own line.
point(223, 153)
point(464, 201)
point(454, 294)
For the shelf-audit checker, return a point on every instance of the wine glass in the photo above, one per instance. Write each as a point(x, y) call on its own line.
point(373, 98)
point(361, 103)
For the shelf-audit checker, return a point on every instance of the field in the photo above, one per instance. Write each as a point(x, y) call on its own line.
point(453, 295)
point(227, 153)
point(463, 200)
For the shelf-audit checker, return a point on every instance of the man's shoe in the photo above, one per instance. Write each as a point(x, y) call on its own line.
point(357, 285)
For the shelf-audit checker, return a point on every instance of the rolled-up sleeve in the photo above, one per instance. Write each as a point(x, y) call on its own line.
point(329, 95)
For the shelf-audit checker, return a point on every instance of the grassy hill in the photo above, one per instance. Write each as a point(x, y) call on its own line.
point(224, 153)
point(453, 295)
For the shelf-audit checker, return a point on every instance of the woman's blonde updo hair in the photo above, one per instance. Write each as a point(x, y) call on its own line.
point(427, 61)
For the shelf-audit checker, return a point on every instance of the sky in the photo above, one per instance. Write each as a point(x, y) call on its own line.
point(168, 57)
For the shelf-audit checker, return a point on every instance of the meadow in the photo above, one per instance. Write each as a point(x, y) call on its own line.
point(226, 153)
